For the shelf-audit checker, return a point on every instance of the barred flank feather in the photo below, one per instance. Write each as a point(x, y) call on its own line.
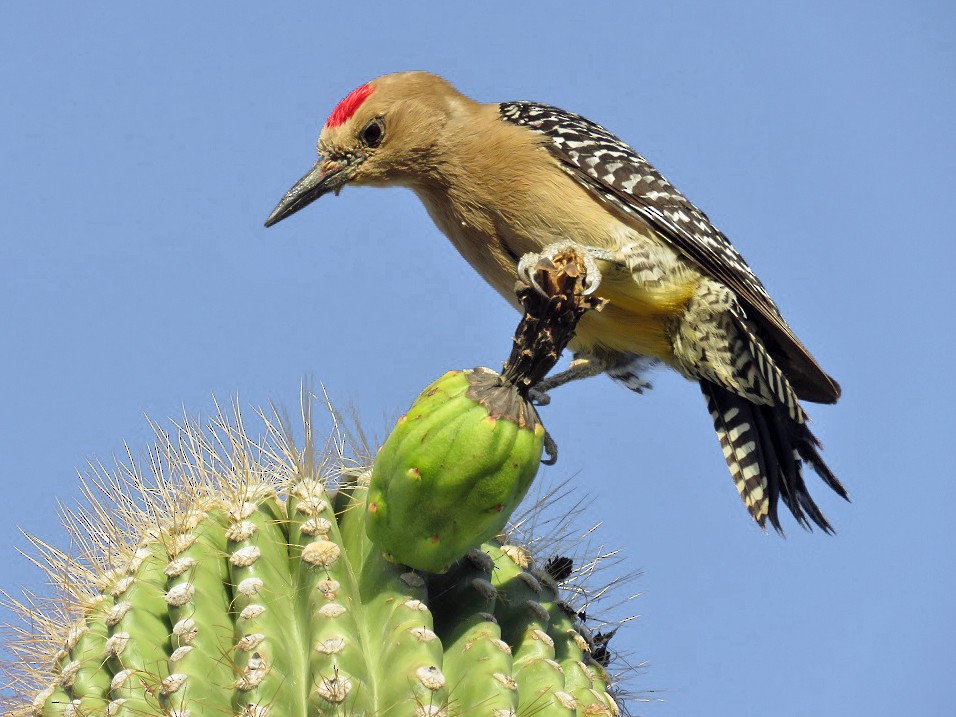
point(765, 450)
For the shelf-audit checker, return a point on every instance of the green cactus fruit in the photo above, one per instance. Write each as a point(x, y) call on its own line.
point(453, 470)
point(238, 579)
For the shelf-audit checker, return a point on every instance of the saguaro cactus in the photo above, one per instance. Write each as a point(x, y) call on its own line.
point(235, 577)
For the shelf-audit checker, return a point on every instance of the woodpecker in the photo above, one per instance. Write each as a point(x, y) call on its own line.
point(512, 181)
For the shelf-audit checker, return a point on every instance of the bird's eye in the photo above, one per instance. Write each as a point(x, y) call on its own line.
point(373, 133)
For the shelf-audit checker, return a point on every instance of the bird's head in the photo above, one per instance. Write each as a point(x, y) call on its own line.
point(382, 133)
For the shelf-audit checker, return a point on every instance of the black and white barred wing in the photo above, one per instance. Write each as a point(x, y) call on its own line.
point(626, 181)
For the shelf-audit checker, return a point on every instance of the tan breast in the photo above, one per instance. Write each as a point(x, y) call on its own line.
point(505, 196)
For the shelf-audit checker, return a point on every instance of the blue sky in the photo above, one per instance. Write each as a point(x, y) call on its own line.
point(141, 150)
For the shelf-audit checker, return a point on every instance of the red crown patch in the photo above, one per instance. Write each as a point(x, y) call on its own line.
point(346, 108)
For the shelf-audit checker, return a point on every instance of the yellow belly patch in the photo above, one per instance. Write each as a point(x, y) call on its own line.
point(636, 319)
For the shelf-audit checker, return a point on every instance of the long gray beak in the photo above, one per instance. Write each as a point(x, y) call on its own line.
point(324, 177)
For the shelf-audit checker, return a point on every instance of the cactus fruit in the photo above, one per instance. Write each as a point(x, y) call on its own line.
point(453, 470)
point(237, 581)
point(462, 458)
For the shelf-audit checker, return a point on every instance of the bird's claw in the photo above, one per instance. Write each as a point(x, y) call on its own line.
point(528, 271)
point(592, 279)
point(529, 263)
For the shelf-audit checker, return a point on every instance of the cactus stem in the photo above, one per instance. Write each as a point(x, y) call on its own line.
point(227, 577)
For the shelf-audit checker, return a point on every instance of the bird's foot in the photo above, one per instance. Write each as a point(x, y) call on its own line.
point(527, 266)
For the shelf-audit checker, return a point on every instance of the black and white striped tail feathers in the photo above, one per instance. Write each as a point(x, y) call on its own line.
point(765, 449)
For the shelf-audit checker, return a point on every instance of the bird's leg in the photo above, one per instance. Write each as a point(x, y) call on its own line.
point(527, 266)
point(581, 367)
